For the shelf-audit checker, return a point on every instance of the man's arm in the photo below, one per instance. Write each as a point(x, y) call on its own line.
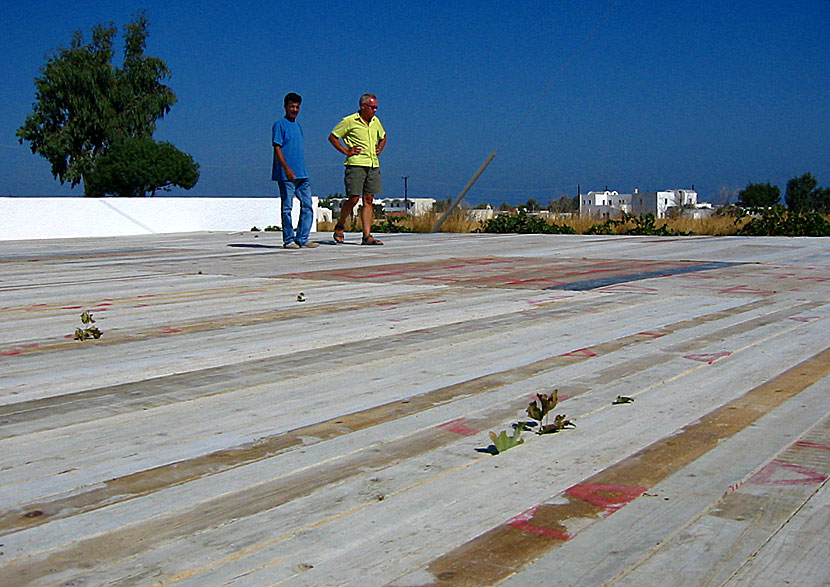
point(289, 173)
point(381, 145)
point(335, 142)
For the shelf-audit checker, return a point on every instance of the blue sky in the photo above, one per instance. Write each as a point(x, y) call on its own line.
point(664, 95)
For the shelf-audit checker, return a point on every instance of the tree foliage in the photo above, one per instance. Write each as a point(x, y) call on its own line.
point(84, 104)
point(140, 166)
point(804, 195)
point(759, 195)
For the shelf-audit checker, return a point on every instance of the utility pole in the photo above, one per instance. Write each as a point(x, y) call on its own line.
point(405, 194)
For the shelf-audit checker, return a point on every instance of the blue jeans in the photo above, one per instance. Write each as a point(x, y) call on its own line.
point(302, 189)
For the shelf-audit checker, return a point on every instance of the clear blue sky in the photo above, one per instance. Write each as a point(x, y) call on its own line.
point(665, 95)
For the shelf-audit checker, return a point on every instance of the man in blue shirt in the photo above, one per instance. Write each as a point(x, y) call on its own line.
point(288, 170)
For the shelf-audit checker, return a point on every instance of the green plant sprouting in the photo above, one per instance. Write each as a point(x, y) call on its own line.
point(539, 409)
point(622, 399)
point(89, 330)
point(502, 441)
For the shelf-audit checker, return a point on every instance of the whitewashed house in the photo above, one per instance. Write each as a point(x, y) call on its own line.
point(411, 206)
point(610, 204)
point(604, 204)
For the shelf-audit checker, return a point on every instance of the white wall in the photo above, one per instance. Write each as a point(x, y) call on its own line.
point(28, 218)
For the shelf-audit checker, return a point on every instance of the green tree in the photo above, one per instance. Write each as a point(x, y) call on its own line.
point(140, 166)
point(804, 195)
point(759, 195)
point(84, 104)
point(564, 204)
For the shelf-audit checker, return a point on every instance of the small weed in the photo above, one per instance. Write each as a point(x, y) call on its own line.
point(273, 228)
point(88, 331)
point(539, 409)
point(254, 229)
point(622, 399)
point(502, 441)
point(301, 297)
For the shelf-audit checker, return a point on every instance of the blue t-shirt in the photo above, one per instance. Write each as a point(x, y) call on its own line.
point(289, 137)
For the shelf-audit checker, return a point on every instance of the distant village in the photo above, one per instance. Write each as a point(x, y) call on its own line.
point(598, 204)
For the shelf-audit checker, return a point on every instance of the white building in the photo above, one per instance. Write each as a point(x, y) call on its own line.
point(609, 204)
point(411, 206)
point(604, 204)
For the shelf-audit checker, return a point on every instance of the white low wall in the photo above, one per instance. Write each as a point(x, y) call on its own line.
point(27, 218)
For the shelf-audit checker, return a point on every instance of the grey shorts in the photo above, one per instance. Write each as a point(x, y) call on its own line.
point(362, 180)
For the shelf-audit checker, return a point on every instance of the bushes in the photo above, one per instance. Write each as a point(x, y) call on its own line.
point(521, 223)
point(777, 221)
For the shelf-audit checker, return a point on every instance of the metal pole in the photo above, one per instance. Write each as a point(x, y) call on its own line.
point(463, 192)
point(405, 194)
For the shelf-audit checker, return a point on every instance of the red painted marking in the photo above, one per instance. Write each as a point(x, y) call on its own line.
point(69, 336)
point(522, 522)
point(608, 497)
point(438, 302)
point(653, 334)
point(745, 289)
point(458, 427)
point(169, 330)
point(627, 286)
point(778, 473)
point(803, 318)
point(580, 353)
point(10, 353)
point(707, 358)
point(808, 444)
point(31, 345)
point(72, 308)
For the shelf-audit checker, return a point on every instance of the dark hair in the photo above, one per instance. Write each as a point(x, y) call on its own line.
point(290, 98)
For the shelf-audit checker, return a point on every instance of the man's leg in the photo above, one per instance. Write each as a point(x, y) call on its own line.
point(303, 192)
point(367, 214)
point(346, 209)
point(287, 196)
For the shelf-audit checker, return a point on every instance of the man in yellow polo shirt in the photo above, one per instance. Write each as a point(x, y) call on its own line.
point(361, 138)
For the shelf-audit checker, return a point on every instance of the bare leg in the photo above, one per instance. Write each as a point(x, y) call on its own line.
point(367, 214)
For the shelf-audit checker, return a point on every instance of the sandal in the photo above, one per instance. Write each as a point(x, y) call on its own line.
point(370, 240)
point(339, 234)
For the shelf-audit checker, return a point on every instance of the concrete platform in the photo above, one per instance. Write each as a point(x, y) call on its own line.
point(224, 432)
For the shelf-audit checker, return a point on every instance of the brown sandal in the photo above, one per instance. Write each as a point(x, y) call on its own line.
point(370, 240)
point(339, 234)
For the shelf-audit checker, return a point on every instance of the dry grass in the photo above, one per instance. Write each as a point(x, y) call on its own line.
point(457, 222)
point(460, 223)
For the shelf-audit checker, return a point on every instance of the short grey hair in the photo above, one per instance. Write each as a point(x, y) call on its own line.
point(366, 97)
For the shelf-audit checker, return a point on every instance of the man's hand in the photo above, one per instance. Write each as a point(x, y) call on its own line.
point(289, 173)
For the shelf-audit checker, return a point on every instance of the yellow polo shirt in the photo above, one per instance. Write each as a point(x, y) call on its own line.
point(356, 133)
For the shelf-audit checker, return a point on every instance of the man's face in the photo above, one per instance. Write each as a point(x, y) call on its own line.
point(292, 109)
point(367, 109)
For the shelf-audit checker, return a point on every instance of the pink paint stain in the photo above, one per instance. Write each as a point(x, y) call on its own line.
point(608, 497)
point(523, 522)
point(803, 318)
point(580, 353)
point(652, 334)
point(785, 474)
point(807, 444)
point(707, 358)
point(168, 330)
point(458, 427)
